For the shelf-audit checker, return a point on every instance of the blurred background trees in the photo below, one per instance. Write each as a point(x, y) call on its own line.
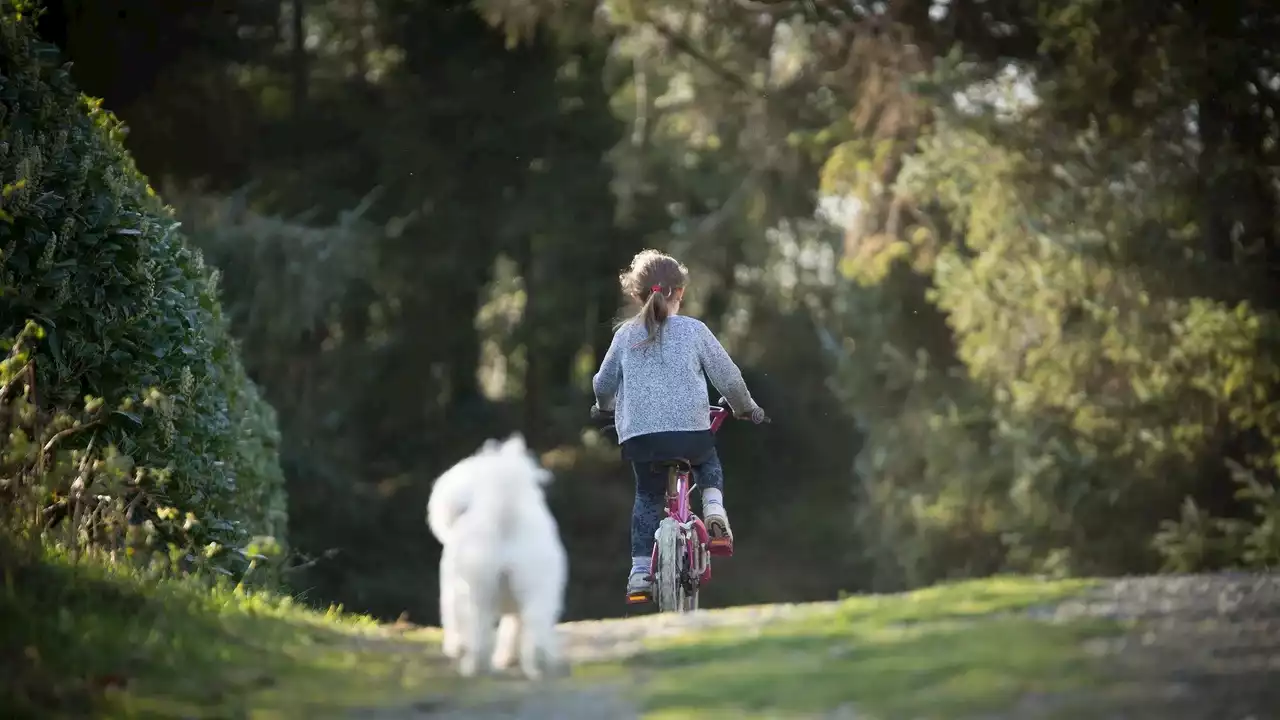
point(1001, 271)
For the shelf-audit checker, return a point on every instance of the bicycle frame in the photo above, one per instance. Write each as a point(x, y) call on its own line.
point(697, 554)
point(682, 531)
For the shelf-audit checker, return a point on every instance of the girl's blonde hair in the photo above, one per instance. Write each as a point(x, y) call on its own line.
point(652, 280)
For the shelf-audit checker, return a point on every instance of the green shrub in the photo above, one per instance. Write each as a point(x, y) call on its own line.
point(91, 254)
point(64, 488)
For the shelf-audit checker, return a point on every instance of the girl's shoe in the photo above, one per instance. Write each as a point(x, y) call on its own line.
point(717, 522)
point(639, 587)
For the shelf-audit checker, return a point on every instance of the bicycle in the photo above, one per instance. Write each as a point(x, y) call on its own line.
point(681, 559)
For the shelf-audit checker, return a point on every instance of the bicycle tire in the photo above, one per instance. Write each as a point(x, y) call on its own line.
point(666, 576)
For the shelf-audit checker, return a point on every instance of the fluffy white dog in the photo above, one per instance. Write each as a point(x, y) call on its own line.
point(502, 559)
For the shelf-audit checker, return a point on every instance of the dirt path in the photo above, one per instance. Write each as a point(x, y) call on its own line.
point(1196, 648)
point(1202, 647)
point(593, 641)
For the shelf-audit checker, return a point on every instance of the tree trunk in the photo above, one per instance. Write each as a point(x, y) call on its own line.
point(531, 409)
point(298, 66)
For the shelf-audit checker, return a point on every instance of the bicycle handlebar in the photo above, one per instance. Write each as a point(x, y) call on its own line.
point(718, 411)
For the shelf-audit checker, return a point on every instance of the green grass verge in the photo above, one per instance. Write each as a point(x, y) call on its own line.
point(951, 651)
point(97, 639)
point(109, 641)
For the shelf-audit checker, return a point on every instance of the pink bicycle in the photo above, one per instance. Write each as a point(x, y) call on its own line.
point(682, 548)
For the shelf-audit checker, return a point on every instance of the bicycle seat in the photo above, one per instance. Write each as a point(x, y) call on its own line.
point(677, 463)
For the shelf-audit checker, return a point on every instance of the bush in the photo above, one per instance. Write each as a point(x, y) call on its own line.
point(92, 255)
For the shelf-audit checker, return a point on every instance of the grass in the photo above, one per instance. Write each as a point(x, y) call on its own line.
point(952, 651)
point(112, 641)
point(97, 639)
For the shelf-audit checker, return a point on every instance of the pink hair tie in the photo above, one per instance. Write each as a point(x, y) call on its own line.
point(656, 288)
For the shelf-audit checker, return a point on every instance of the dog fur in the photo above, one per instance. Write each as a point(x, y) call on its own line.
point(502, 564)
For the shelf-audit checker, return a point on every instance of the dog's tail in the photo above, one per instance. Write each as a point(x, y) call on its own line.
point(494, 482)
point(450, 497)
point(452, 492)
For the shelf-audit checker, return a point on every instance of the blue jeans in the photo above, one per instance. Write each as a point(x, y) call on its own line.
point(651, 497)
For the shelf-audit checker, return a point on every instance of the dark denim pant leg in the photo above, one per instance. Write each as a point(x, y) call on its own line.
point(710, 474)
point(649, 507)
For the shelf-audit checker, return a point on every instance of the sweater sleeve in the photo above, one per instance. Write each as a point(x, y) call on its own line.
point(609, 376)
point(724, 374)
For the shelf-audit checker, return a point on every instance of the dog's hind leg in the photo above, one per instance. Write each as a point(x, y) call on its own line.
point(509, 633)
point(478, 639)
point(451, 645)
point(539, 643)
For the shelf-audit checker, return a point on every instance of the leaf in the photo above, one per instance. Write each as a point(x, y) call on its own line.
point(11, 187)
point(55, 347)
point(48, 200)
point(44, 51)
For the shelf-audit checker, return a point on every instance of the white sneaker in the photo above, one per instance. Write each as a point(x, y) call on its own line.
point(717, 522)
point(639, 586)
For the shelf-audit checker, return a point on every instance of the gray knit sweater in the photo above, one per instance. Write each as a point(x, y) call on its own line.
point(659, 386)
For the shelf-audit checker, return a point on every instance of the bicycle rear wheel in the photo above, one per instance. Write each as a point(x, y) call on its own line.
point(666, 576)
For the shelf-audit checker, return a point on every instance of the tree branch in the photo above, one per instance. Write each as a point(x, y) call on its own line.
point(7, 387)
point(681, 43)
point(778, 7)
point(64, 434)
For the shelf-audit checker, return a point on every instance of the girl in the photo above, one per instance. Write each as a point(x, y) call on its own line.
point(653, 375)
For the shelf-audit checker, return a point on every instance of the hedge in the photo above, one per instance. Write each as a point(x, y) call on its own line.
point(88, 251)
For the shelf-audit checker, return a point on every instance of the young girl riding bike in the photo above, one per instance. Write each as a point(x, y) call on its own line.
point(652, 377)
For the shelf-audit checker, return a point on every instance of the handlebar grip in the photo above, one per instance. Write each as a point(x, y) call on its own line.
point(757, 415)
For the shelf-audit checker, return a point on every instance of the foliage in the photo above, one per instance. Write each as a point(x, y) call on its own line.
point(295, 289)
point(1053, 330)
point(1083, 385)
point(287, 297)
point(96, 498)
point(92, 256)
point(1198, 541)
point(1001, 273)
point(291, 276)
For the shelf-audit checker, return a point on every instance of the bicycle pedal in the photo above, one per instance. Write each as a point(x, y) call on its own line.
point(720, 546)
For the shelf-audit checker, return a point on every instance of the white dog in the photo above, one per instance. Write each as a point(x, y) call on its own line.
point(502, 559)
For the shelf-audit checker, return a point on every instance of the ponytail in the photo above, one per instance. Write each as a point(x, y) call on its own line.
point(653, 313)
point(650, 282)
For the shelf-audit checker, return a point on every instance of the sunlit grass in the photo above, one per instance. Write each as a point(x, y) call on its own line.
point(121, 642)
point(951, 651)
point(113, 641)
